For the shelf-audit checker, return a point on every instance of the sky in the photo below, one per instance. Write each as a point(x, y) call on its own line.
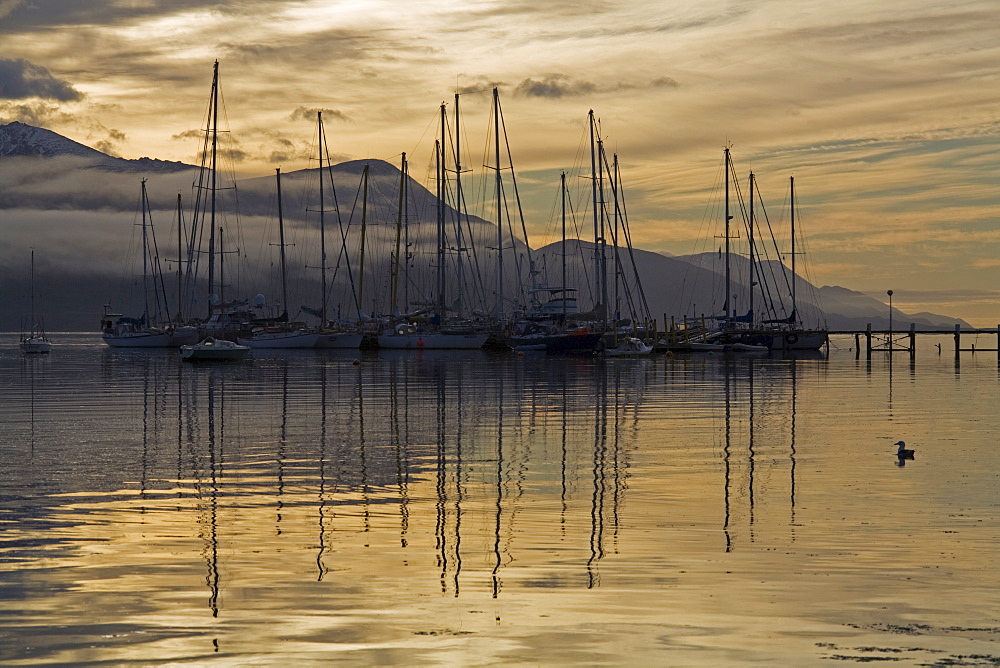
point(886, 114)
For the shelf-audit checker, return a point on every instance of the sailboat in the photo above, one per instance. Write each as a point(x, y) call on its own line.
point(226, 319)
point(35, 341)
point(776, 333)
point(547, 326)
point(440, 333)
point(749, 332)
point(624, 339)
point(556, 325)
point(280, 334)
point(789, 333)
point(146, 331)
point(328, 335)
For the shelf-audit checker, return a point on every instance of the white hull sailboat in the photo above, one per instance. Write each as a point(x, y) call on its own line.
point(405, 337)
point(300, 338)
point(128, 335)
point(119, 331)
point(36, 342)
point(339, 340)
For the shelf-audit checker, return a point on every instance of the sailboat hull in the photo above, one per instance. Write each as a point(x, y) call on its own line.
point(36, 344)
point(152, 338)
point(432, 341)
point(340, 340)
point(574, 342)
point(796, 340)
point(287, 340)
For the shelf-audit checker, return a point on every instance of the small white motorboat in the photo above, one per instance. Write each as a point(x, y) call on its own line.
point(211, 349)
point(630, 347)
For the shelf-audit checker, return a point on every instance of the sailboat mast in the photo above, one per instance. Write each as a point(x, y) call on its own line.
point(31, 284)
point(322, 223)
point(593, 187)
point(222, 283)
point(180, 229)
point(562, 182)
point(499, 189)
point(617, 223)
point(601, 241)
point(399, 232)
point(460, 205)
point(215, 145)
point(281, 245)
point(728, 218)
point(440, 221)
point(364, 222)
point(751, 235)
point(791, 199)
point(406, 237)
point(145, 259)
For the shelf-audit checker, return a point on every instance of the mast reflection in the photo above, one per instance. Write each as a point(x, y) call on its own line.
point(755, 408)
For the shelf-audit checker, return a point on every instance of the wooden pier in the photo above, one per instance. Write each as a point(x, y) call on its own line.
point(899, 341)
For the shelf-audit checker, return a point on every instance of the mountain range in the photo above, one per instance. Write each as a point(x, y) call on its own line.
point(77, 207)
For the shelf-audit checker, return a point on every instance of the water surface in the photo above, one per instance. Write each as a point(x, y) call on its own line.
point(473, 508)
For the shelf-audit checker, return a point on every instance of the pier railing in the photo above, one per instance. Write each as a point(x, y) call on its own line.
point(899, 341)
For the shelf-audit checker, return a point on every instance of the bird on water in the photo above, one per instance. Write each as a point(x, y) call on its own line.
point(902, 452)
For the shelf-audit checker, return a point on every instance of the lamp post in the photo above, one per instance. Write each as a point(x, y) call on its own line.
point(889, 292)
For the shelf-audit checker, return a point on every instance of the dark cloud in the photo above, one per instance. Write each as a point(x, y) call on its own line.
point(484, 85)
point(234, 153)
point(20, 79)
point(278, 157)
point(106, 146)
point(189, 134)
point(38, 114)
point(7, 6)
point(664, 82)
point(554, 86)
point(309, 114)
point(560, 85)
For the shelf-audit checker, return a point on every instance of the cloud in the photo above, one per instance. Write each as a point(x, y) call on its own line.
point(7, 6)
point(482, 85)
point(32, 113)
point(664, 82)
point(20, 80)
point(106, 146)
point(188, 134)
point(308, 114)
point(554, 86)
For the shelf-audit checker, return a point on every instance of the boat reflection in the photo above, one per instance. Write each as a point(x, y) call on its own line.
point(480, 469)
point(755, 418)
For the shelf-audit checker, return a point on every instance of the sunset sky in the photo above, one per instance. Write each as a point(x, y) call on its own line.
point(887, 114)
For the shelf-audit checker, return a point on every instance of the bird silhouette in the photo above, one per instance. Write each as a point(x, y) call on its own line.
point(902, 452)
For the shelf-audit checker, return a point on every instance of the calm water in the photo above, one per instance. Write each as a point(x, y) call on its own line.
point(471, 509)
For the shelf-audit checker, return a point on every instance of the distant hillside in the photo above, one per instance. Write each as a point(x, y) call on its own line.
point(851, 310)
point(26, 141)
point(77, 206)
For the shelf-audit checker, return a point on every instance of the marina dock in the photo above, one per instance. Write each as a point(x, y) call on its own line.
point(905, 340)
